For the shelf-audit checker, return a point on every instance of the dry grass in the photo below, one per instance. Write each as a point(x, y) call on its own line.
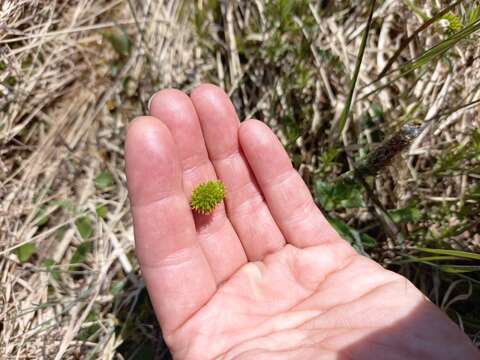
point(71, 79)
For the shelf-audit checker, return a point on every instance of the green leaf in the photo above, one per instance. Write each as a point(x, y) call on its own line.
point(342, 228)
point(367, 240)
point(87, 332)
point(117, 287)
point(119, 40)
point(80, 255)
point(350, 234)
point(60, 232)
point(92, 316)
point(103, 180)
point(337, 195)
point(25, 252)
point(406, 215)
point(10, 81)
point(291, 127)
point(41, 218)
point(49, 264)
point(66, 205)
point(102, 211)
point(84, 227)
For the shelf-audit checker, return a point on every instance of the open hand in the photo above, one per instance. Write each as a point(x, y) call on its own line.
point(265, 276)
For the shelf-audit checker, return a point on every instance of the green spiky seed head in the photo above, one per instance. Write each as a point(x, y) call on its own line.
point(207, 196)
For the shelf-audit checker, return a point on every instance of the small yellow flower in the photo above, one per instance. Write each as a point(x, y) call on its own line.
point(450, 23)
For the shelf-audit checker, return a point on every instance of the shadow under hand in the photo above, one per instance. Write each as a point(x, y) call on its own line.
point(423, 334)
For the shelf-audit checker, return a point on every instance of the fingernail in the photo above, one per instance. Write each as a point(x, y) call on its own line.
point(150, 102)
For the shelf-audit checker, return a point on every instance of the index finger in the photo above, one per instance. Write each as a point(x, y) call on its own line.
point(176, 272)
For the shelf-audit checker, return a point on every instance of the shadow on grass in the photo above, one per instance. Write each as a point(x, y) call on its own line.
point(138, 327)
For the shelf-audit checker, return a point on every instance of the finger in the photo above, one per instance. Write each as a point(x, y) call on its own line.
point(246, 207)
point(176, 272)
point(216, 235)
point(287, 196)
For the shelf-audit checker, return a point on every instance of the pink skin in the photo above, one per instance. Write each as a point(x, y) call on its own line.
point(265, 276)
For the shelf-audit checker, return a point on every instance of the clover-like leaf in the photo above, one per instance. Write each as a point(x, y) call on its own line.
point(207, 196)
point(25, 251)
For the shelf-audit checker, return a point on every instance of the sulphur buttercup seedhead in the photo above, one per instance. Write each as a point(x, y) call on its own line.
point(207, 196)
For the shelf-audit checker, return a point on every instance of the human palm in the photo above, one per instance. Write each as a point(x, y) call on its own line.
point(264, 276)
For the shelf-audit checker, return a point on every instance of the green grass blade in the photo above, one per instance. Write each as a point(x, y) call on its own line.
point(358, 64)
point(459, 269)
point(439, 48)
point(425, 58)
point(413, 36)
point(457, 253)
point(414, 259)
